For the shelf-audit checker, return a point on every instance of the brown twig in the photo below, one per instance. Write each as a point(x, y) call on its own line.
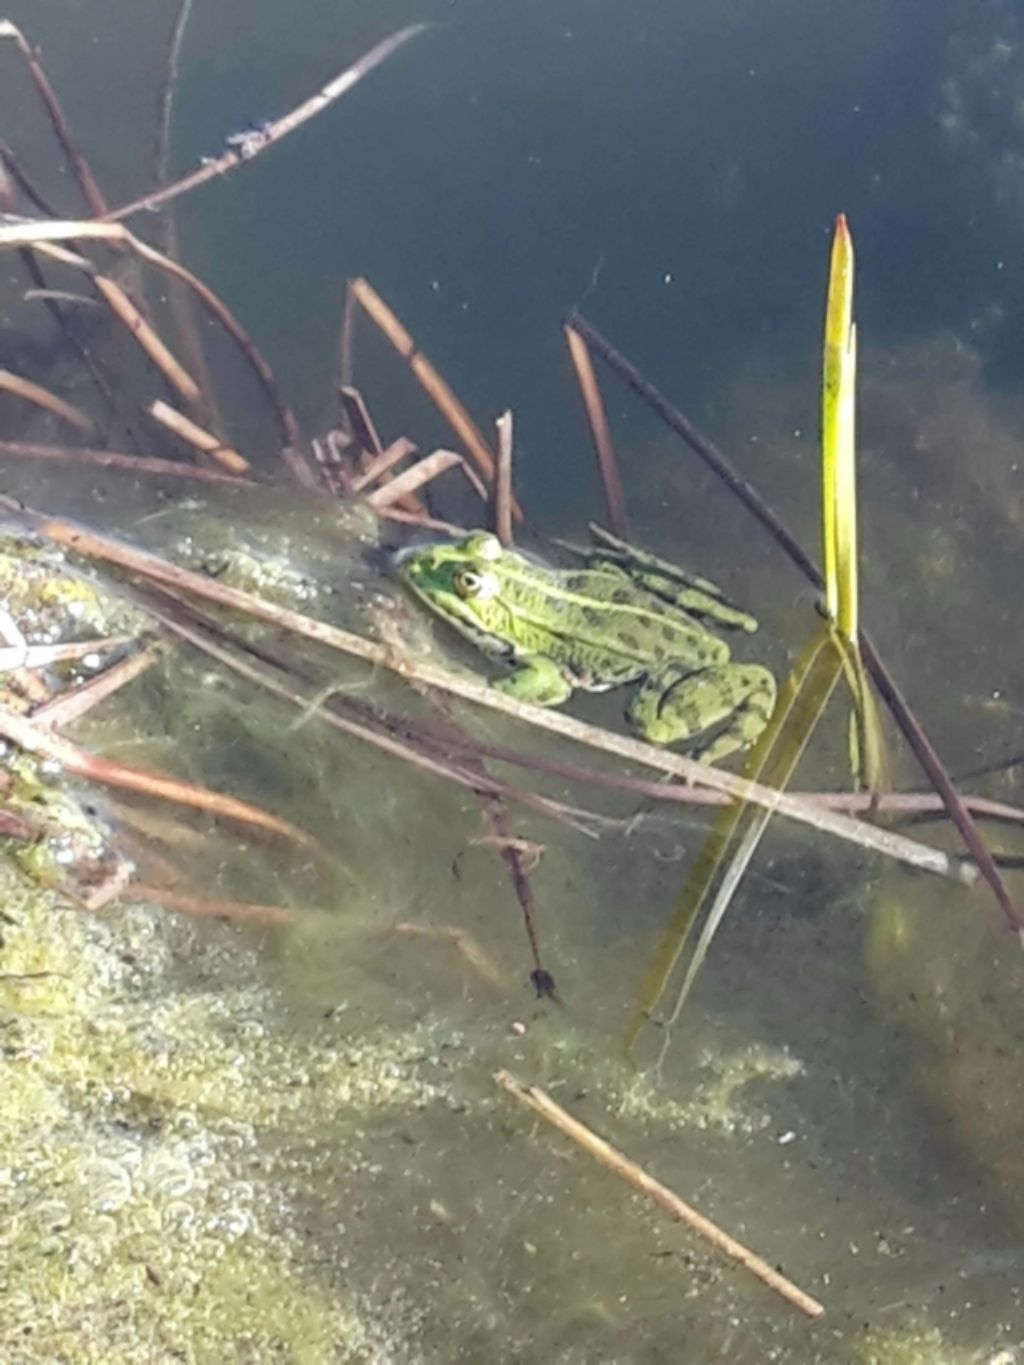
point(396, 452)
point(503, 480)
point(259, 142)
point(91, 191)
point(542, 1104)
point(198, 438)
point(912, 729)
point(608, 465)
point(240, 911)
point(36, 739)
point(426, 469)
point(78, 701)
point(437, 390)
point(113, 459)
point(465, 944)
point(43, 398)
point(36, 234)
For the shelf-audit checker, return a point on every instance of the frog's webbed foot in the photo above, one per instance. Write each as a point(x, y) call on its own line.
point(733, 700)
point(539, 681)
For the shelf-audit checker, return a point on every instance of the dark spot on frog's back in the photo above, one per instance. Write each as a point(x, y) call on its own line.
point(630, 641)
point(593, 617)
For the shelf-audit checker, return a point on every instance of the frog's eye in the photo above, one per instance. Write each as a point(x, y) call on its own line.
point(484, 546)
point(468, 583)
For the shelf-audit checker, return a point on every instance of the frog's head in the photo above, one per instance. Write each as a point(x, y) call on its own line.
point(462, 581)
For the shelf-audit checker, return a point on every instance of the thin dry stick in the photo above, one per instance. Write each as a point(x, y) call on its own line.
point(541, 1103)
point(113, 459)
point(913, 732)
point(396, 452)
point(43, 398)
point(159, 353)
point(163, 130)
point(608, 465)
point(37, 740)
point(437, 390)
point(78, 701)
point(447, 528)
point(367, 439)
point(179, 302)
point(196, 436)
point(91, 191)
point(346, 340)
point(35, 233)
point(259, 142)
point(156, 570)
point(503, 480)
point(481, 961)
point(422, 472)
point(241, 911)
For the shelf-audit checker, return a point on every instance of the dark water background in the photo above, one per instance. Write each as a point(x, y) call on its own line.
point(674, 169)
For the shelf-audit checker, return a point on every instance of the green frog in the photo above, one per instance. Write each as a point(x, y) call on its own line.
point(622, 616)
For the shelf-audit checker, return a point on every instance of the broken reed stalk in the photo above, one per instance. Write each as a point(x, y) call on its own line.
point(179, 301)
point(608, 465)
point(533, 1097)
point(156, 570)
point(91, 191)
point(437, 389)
point(75, 702)
point(34, 234)
point(274, 132)
point(366, 438)
point(503, 480)
point(242, 912)
point(198, 438)
point(43, 398)
point(908, 723)
point(114, 459)
point(396, 452)
point(37, 739)
point(424, 471)
point(465, 944)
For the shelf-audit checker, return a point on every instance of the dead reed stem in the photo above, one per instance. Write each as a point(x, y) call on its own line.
point(43, 398)
point(503, 480)
point(437, 390)
point(36, 233)
point(396, 452)
point(608, 465)
point(113, 459)
point(75, 702)
point(533, 1097)
point(422, 472)
point(36, 739)
point(232, 157)
point(90, 189)
point(240, 911)
point(198, 438)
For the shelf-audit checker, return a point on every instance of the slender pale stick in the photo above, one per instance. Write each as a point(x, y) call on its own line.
point(274, 132)
point(503, 480)
point(438, 391)
point(611, 482)
point(422, 472)
point(541, 1103)
point(115, 459)
point(198, 437)
point(91, 191)
point(43, 398)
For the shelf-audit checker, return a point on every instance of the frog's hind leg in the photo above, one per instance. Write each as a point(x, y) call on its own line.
point(539, 681)
point(735, 701)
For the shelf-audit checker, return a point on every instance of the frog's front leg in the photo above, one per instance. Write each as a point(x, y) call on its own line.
point(674, 707)
point(539, 681)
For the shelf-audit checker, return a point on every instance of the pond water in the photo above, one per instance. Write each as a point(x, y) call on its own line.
point(229, 1143)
